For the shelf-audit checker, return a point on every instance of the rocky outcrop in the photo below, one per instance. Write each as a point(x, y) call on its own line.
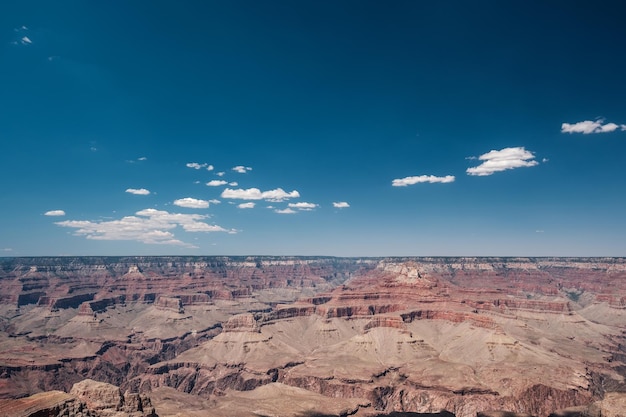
point(169, 303)
point(87, 398)
point(45, 404)
point(242, 323)
point(107, 400)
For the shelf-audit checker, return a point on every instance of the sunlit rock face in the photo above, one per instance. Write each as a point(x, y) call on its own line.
point(362, 336)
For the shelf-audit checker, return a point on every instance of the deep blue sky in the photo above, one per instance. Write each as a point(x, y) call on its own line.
point(503, 125)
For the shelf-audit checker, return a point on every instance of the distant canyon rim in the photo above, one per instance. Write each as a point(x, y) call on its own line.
point(312, 336)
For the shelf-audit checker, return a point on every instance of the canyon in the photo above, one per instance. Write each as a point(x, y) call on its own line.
point(307, 336)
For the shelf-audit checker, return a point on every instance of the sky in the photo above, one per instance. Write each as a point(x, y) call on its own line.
point(331, 128)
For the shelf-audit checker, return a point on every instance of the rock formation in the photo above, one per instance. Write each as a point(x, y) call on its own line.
point(87, 398)
point(521, 336)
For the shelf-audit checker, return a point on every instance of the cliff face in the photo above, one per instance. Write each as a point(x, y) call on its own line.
point(87, 398)
point(465, 335)
point(67, 282)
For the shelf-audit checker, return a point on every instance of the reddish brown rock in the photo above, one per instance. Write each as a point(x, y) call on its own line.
point(408, 335)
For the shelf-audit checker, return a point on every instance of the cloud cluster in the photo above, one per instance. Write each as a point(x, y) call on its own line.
point(22, 38)
point(303, 206)
point(190, 202)
point(137, 191)
point(403, 182)
point(285, 211)
point(276, 195)
point(507, 158)
point(341, 204)
point(149, 226)
point(196, 165)
point(54, 213)
point(241, 169)
point(587, 127)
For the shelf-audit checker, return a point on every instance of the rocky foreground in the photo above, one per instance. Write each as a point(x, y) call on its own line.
point(246, 336)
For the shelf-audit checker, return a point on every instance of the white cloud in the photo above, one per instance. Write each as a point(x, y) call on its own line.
point(210, 168)
point(279, 194)
point(54, 213)
point(149, 226)
point(303, 206)
point(195, 165)
point(143, 158)
point(246, 205)
point(214, 201)
point(255, 194)
point(220, 174)
point(285, 211)
point(507, 158)
point(587, 127)
point(341, 204)
point(26, 40)
point(233, 184)
point(7, 249)
point(216, 183)
point(241, 169)
point(191, 203)
point(403, 182)
point(138, 191)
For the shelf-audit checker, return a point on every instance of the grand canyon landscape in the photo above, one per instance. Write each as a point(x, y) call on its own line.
point(312, 336)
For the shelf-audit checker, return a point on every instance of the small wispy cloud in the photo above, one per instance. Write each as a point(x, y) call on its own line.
point(403, 182)
point(148, 226)
point(276, 195)
point(588, 127)
point(246, 205)
point(341, 204)
point(143, 158)
point(214, 201)
point(138, 191)
point(196, 165)
point(303, 206)
point(21, 37)
point(502, 160)
point(54, 213)
point(241, 169)
point(285, 211)
point(220, 174)
point(233, 184)
point(7, 249)
point(190, 202)
point(216, 183)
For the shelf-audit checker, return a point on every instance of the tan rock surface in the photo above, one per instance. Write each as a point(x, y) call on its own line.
point(524, 335)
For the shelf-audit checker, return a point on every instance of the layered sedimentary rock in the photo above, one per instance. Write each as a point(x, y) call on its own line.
point(466, 335)
point(87, 398)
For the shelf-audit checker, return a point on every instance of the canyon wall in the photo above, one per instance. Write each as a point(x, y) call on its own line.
point(462, 335)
